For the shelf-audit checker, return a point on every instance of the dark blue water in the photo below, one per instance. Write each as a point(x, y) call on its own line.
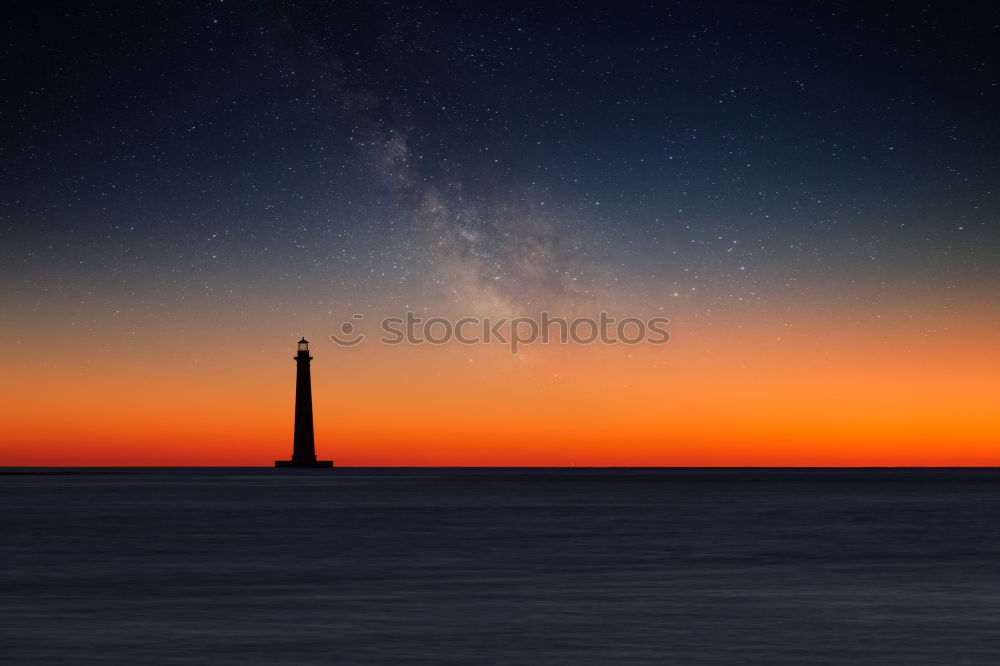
point(362, 566)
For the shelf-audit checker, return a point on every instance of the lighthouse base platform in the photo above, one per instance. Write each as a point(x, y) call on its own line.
point(303, 463)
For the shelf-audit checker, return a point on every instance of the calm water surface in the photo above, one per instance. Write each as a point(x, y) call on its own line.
point(460, 566)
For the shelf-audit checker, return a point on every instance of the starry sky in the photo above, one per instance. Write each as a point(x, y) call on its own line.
point(808, 193)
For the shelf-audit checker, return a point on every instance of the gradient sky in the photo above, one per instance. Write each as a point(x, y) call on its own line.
point(809, 194)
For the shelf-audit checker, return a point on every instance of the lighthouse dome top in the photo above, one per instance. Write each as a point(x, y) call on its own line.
point(303, 345)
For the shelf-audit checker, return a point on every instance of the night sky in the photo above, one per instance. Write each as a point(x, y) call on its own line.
point(808, 193)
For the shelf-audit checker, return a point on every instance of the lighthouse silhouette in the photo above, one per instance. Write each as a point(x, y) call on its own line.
point(303, 447)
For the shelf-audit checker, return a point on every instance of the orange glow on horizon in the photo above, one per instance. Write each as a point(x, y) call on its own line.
point(892, 393)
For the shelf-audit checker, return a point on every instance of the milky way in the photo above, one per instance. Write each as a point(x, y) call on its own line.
point(505, 157)
point(807, 193)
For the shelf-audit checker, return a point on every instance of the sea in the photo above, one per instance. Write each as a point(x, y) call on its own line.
point(499, 566)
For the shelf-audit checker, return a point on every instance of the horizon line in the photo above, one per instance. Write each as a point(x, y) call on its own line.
point(997, 466)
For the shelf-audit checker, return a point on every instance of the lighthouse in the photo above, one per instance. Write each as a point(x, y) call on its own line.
point(303, 446)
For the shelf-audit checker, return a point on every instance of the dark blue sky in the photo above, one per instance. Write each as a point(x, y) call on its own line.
point(743, 148)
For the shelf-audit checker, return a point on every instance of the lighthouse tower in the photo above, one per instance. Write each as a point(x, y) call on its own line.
point(303, 448)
